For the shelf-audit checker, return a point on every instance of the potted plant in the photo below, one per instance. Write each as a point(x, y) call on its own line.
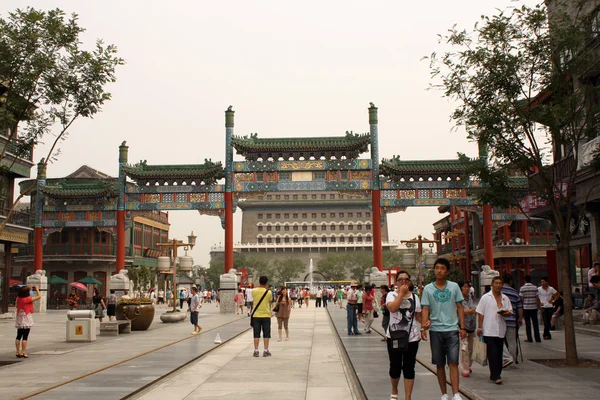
point(139, 311)
point(173, 316)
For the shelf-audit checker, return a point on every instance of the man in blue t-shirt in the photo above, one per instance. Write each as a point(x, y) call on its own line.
point(442, 313)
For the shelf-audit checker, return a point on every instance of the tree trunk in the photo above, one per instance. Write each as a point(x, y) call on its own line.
point(565, 286)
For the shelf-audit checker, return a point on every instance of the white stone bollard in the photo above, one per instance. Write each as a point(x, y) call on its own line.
point(228, 283)
point(40, 281)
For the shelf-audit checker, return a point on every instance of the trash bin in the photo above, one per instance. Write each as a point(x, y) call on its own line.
point(81, 326)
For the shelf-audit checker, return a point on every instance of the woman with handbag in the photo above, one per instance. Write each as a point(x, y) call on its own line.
point(282, 310)
point(368, 308)
point(466, 344)
point(99, 305)
point(403, 334)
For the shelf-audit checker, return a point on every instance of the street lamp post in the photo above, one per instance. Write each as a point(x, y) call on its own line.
point(174, 244)
point(419, 242)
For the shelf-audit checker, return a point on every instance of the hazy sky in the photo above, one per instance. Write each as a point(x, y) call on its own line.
point(289, 69)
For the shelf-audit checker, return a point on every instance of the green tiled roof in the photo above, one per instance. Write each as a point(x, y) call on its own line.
point(397, 166)
point(80, 188)
point(184, 171)
point(349, 142)
point(518, 182)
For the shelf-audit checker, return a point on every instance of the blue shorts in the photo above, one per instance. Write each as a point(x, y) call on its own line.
point(445, 346)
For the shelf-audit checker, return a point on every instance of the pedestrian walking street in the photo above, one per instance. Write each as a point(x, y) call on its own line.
point(319, 361)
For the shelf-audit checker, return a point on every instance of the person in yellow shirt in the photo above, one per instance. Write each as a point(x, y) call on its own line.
point(261, 316)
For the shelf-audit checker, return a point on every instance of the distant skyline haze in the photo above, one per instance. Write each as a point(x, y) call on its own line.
point(288, 69)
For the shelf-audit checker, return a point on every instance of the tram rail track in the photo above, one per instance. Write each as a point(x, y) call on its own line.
point(145, 353)
point(427, 365)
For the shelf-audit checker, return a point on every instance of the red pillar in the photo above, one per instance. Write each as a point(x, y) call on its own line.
point(377, 247)
point(453, 228)
point(228, 231)
point(488, 244)
point(37, 249)
point(120, 240)
point(467, 248)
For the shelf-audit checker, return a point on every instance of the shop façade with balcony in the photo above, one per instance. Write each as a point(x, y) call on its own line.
point(520, 245)
point(81, 243)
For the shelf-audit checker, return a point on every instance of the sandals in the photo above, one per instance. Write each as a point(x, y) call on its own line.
point(24, 355)
point(393, 397)
point(19, 355)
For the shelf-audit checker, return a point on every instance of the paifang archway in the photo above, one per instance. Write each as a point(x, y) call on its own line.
point(270, 165)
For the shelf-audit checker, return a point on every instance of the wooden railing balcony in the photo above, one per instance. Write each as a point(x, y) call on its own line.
point(559, 172)
point(70, 249)
point(159, 216)
point(16, 217)
point(16, 148)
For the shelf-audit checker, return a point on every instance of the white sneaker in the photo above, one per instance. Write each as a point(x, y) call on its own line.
point(456, 397)
point(445, 397)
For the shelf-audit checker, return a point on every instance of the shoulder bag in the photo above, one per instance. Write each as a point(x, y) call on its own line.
point(256, 308)
point(400, 338)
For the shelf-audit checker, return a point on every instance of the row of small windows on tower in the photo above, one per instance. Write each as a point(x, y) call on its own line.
point(314, 215)
point(302, 197)
point(323, 239)
point(332, 227)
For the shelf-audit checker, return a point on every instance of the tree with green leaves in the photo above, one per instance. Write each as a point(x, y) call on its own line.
point(358, 263)
point(48, 80)
point(256, 264)
point(333, 266)
point(287, 270)
point(523, 83)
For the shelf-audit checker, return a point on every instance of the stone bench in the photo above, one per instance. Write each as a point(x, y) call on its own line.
point(113, 328)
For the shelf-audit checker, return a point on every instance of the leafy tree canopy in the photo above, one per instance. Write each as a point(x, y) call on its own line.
point(526, 85)
point(47, 78)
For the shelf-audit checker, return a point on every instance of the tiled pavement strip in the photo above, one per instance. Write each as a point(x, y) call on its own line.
point(309, 366)
point(53, 361)
point(312, 364)
point(310, 361)
point(528, 381)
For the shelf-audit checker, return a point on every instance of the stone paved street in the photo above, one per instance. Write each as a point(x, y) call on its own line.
point(309, 366)
point(166, 362)
point(528, 381)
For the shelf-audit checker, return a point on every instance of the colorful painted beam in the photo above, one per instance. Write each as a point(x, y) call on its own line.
point(78, 223)
point(308, 165)
point(424, 202)
point(175, 206)
point(301, 186)
point(171, 189)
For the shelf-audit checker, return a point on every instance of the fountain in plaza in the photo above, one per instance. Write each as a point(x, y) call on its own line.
point(310, 273)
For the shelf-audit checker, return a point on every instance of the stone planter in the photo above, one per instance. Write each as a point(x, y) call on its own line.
point(141, 315)
point(173, 317)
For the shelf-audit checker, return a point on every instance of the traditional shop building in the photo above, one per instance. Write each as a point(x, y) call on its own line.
point(520, 246)
point(16, 162)
point(82, 243)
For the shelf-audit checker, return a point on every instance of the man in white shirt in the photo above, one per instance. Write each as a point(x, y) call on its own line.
point(194, 305)
point(493, 307)
point(351, 309)
point(547, 294)
point(249, 299)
